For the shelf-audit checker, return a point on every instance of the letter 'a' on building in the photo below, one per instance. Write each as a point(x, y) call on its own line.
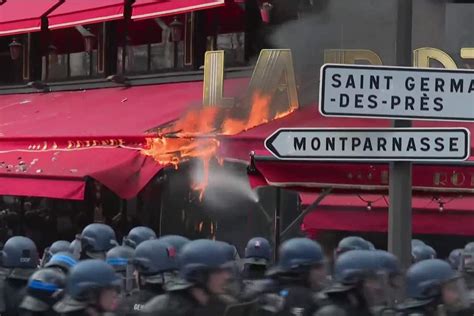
point(397, 92)
point(377, 144)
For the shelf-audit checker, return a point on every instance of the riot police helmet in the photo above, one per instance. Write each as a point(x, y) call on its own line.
point(298, 255)
point(62, 260)
point(138, 235)
point(120, 257)
point(97, 239)
point(153, 257)
point(422, 252)
point(44, 289)
point(258, 251)
point(454, 258)
point(176, 241)
point(19, 252)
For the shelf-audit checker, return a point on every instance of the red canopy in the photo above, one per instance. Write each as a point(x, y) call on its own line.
point(51, 142)
point(147, 9)
point(349, 213)
point(362, 176)
point(79, 12)
point(23, 16)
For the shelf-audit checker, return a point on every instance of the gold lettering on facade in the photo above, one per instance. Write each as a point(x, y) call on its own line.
point(458, 178)
point(213, 91)
point(423, 56)
point(467, 53)
point(440, 179)
point(274, 70)
point(351, 56)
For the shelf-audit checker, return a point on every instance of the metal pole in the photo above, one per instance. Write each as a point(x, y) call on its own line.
point(277, 224)
point(400, 182)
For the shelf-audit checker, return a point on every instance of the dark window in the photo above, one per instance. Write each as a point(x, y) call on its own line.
point(66, 56)
point(11, 69)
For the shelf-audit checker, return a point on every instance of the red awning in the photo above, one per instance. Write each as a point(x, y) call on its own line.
point(349, 213)
point(50, 143)
point(23, 16)
point(456, 177)
point(147, 9)
point(79, 12)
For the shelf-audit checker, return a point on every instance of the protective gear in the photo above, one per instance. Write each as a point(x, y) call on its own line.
point(138, 235)
point(468, 258)
point(298, 255)
point(417, 242)
point(62, 260)
point(432, 282)
point(362, 281)
point(44, 290)
point(351, 243)
point(19, 252)
point(455, 257)
point(258, 251)
point(121, 259)
point(422, 252)
point(85, 282)
point(153, 257)
point(96, 240)
point(57, 246)
point(198, 259)
point(176, 241)
point(75, 247)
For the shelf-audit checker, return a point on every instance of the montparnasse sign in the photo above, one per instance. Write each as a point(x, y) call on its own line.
point(274, 70)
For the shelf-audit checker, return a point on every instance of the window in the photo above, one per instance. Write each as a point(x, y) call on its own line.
point(12, 69)
point(68, 57)
point(150, 47)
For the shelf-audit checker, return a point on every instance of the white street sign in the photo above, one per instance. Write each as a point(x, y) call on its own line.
point(378, 144)
point(397, 92)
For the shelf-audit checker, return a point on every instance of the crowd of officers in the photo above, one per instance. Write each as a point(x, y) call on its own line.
point(173, 276)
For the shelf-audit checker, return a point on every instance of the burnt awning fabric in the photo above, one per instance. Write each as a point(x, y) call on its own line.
point(148, 9)
point(79, 12)
point(50, 143)
point(349, 213)
point(23, 16)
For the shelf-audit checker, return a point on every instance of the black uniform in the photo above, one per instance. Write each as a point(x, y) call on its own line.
point(134, 303)
point(176, 303)
point(14, 290)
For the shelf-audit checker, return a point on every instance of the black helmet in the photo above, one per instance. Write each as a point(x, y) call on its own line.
point(63, 260)
point(298, 255)
point(119, 257)
point(138, 235)
point(90, 275)
point(176, 241)
point(352, 243)
point(97, 239)
point(455, 257)
point(44, 289)
point(57, 246)
point(198, 258)
point(258, 251)
point(424, 279)
point(19, 252)
point(153, 257)
point(422, 252)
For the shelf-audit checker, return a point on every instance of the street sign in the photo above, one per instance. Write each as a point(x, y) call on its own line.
point(378, 144)
point(397, 92)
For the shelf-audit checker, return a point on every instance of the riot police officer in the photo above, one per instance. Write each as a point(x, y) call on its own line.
point(176, 241)
point(352, 243)
point(299, 273)
point(422, 252)
point(96, 239)
point(62, 261)
point(20, 256)
point(362, 279)
point(434, 288)
point(204, 275)
point(156, 263)
point(45, 288)
point(257, 258)
point(92, 289)
point(467, 265)
point(454, 258)
point(120, 258)
point(57, 246)
point(138, 235)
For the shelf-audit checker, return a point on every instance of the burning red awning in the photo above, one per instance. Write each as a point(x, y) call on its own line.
point(50, 143)
point(350, 213)
point(20, 16)
point(78, 12)
point(147, 9)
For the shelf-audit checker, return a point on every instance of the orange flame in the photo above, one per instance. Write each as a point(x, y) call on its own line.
point(196, 134)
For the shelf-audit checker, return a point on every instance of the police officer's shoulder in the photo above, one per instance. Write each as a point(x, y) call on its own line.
point(257, 287)
point(165, 305)
point(330, 310)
